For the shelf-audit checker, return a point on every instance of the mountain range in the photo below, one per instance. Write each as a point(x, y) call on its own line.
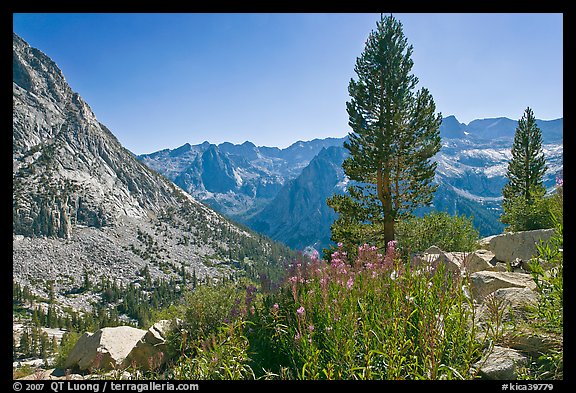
point(282, 192)
point(83, 204)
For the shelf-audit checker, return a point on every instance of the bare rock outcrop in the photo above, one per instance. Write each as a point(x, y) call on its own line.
point(511, 245)
point(105, 349)
point(484, 282)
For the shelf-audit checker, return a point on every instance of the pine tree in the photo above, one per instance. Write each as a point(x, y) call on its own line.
point(523, 194)
point(54, 345)
point(86, 281)
point(395, 135)
point(24, 346)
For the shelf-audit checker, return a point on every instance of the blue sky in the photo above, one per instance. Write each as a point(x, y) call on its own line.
point(161, 80)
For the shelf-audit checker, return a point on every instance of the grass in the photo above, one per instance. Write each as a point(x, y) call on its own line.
point(371, 318)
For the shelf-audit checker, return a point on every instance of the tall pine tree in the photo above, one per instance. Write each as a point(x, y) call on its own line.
point(524, 192)
point(395, 135)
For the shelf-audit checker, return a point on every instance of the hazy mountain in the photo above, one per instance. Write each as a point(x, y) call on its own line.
point(237, 180)
point(471, 173)
point(83, 203)
point(299, 215)
point(452, 128)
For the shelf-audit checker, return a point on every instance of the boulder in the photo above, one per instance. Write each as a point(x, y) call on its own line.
point(149, 353)
point(484, 282)
point(480, 260)
point(484, 243)
point(532, 342)
point(509, 246)
point(501, 363)
point(106, 349)
point(513, 303)
point(433, 256)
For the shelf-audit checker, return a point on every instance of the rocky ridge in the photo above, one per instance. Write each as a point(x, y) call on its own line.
point(259, 185)
point(83, 203)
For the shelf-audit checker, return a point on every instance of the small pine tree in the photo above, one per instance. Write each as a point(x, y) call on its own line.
point(183, 274)
point(86, 281)
point(24, 347)
point(54, 346)
point(523, 205)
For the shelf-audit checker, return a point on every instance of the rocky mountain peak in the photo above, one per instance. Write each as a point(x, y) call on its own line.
point(82, 202)
point(36, 73)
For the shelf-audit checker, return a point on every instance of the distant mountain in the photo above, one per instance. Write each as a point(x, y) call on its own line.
point(299, 214)
point(237, 180)
point(502, 128)
point(452, 128)
point(471, 173)
point(83, 203)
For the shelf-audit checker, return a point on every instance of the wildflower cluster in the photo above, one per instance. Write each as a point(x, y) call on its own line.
point(370, 317)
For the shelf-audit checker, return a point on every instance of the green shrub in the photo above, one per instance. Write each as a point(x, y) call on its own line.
point(521, 215)
point(547, 270)
point(203, 312)
point(550, 280)
point(68, 341)
point(223, 357)
point(450, 233)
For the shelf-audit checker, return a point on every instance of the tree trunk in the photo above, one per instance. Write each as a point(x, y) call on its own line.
point(385, 197)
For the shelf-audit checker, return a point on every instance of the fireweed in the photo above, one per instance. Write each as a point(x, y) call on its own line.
point(370, 318)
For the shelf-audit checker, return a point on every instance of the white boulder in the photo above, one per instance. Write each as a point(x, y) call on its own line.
point(105, 349)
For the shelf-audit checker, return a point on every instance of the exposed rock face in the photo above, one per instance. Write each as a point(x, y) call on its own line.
point(502, 363)
point(81, 201)
point(486, 282)
point(509, 246)
point(106, 349)
point(149, 352)
point(68, 168)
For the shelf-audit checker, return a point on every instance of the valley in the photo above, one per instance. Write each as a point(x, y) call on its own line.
point(218, 239)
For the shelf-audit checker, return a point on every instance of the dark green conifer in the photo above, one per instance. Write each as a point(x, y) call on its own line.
point(395, 134)
point(523, 207)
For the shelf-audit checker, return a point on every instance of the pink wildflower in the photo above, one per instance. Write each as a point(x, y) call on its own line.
point(350, 283)
point(300, 311)
point(314, 255)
